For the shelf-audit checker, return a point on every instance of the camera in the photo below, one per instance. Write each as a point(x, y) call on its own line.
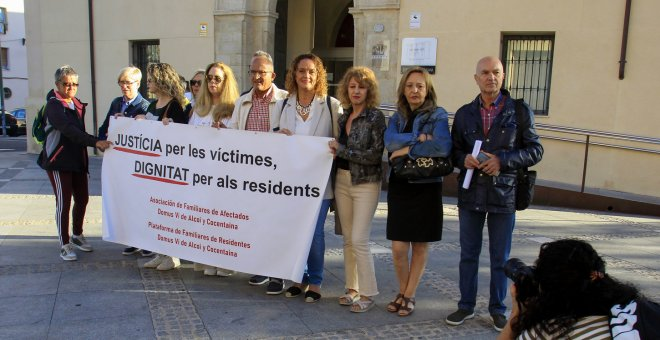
point(522, 276)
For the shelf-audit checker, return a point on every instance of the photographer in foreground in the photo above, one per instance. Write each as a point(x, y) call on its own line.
point(569, 295)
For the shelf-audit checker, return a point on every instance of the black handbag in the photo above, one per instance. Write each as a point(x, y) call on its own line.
point(525, 178)
point(422, 167)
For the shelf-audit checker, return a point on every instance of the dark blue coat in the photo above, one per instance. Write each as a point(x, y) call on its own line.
point(137, 107)
point(486, 193)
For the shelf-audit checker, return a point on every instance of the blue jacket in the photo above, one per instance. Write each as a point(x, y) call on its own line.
point(486, 193)
point(434, 123)
point(137, 107)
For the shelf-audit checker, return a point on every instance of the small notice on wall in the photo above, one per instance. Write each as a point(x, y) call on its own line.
point(415, 20)
point(203, 29)
point(380, 56)
point(419, 52)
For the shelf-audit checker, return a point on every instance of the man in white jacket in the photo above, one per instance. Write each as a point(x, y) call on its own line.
point(254, 111)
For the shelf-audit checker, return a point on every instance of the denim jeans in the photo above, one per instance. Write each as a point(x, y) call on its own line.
point(500, 230)
point(314, 271)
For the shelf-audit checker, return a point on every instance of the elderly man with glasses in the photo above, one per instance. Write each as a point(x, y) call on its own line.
point(130, 103)
point(254, 111)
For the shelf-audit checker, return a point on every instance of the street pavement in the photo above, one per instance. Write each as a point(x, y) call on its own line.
point(105, 295)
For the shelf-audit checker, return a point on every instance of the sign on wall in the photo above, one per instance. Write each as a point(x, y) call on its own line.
point(419, 52)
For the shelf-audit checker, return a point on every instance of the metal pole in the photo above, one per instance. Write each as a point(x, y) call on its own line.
point(584, 167)
point(2, 96)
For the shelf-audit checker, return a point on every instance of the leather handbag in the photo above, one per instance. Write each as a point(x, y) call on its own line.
point(525, 178)
point(422, 167)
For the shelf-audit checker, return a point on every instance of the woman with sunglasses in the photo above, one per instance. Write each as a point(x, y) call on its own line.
point(214, 103)
point(214, 106)
point(169, 106)
point(64, 157)
point(195, 85)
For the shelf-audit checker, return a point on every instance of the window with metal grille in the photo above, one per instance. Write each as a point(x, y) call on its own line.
point(143, 53)
point(527, 63)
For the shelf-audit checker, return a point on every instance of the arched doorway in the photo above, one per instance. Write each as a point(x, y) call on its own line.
point(334, 38)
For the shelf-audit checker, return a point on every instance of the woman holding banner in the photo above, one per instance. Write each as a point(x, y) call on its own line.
point(214, 106)
point(309, 111)
point(169, 106)
point(359, 157)
point(419, 128)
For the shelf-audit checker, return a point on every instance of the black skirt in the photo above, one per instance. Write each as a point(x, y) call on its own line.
point(414, 211)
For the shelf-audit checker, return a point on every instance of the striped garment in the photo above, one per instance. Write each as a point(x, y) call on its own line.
point(589, 327)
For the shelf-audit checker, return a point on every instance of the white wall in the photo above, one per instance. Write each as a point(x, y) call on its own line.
point(16, 77)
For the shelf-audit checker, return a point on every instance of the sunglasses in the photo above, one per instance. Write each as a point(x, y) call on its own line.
point(69, 84)
point(195, 82)
point(211, 78)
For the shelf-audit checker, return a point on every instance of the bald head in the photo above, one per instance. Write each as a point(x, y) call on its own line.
point(489, 77)
point(489, 60)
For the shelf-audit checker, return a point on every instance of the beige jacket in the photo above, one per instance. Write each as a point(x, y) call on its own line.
point(244, 104)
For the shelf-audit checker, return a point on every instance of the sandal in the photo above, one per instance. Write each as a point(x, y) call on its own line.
point(361, 306)
point(312, 296)
point(293, 291)
point(348, 299)
point(394, 306)
point(407, 307)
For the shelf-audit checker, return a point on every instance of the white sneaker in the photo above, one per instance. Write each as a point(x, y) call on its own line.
point(224, 272)
point(67, 253)
point(210, 270)
point(155, 262)
point(168, 263)
point(81, 243)
point(198, 267)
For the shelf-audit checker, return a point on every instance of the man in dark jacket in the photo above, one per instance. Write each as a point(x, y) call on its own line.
point(490, 118)
point(64, 157)
point(130, 103)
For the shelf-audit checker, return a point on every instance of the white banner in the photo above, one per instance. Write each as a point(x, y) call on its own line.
point(239, 200)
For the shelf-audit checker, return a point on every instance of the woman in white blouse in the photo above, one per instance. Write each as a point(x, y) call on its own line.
point(310, 111)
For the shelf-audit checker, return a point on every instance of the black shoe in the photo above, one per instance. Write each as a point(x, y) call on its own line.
point(311, 296)
point(456, 318)
point(146, 253)
point(130, 251)
point(293, 291)
point(275, 286)
point(499, 321)
point(258, 280)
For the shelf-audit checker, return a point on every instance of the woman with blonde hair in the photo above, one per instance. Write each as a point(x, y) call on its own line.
point(195, 85)
point(309, 111)
point(169, 106)
point(418, 128)
point(213, 107)
point(214, 103)
point(359, 157)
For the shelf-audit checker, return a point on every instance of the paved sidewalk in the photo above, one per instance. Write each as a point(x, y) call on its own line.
point(105, 295)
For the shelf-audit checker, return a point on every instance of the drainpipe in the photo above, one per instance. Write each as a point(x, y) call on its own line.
point(90, 6)
point(624, 40)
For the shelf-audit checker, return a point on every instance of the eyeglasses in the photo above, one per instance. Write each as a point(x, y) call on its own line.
point(195, 82)
point(126, 83)
point(261, 74)
point(211, 78)
point(69, 84)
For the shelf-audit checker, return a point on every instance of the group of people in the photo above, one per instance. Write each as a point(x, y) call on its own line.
point(418, 128)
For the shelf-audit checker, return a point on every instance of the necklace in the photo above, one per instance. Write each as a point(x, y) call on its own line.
point(303, 111)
